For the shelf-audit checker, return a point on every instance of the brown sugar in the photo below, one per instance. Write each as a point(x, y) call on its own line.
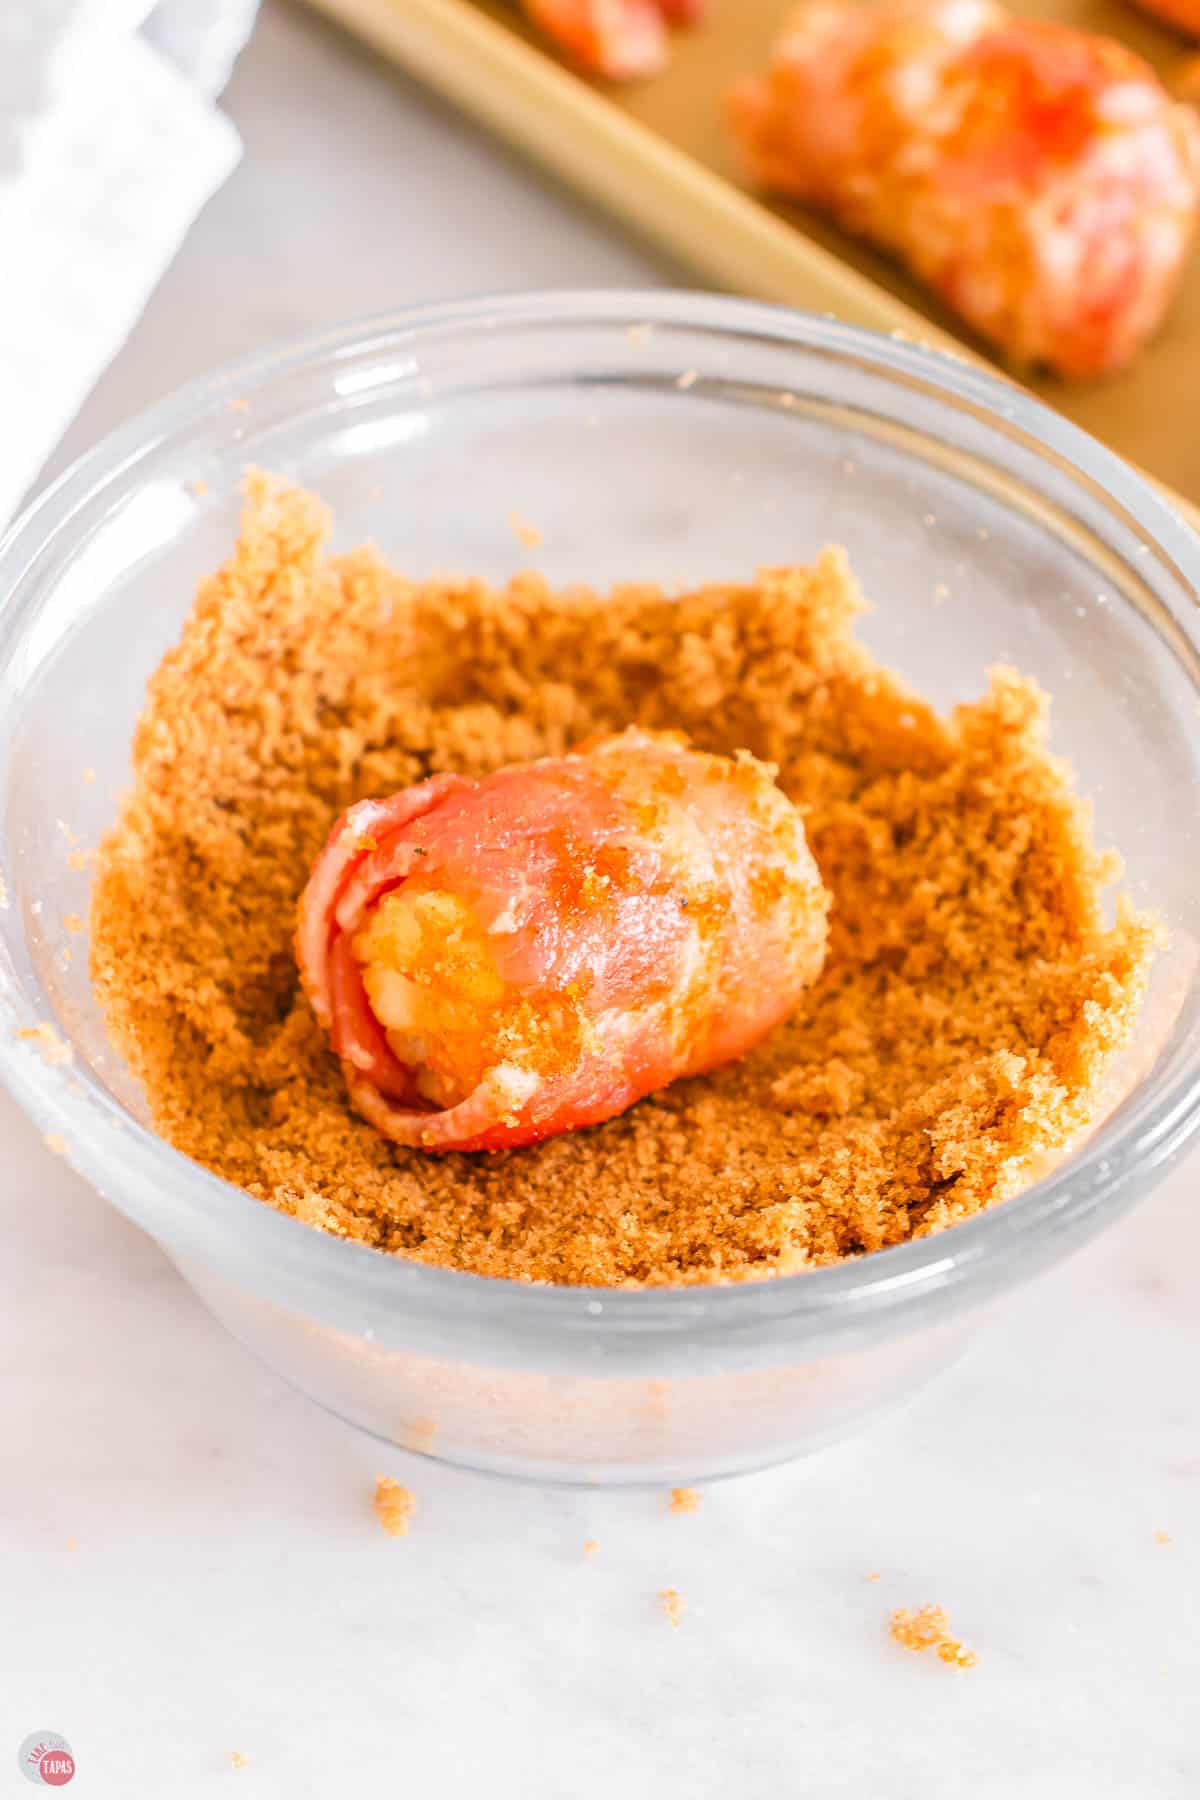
point(685, 1500)
point(958, 1038)
point(54, 1048)
point(394, 1506)
point(524, 531)
point(673, 1604)
point(929, 1629)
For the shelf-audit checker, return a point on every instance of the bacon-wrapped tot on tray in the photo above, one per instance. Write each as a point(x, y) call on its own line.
point(619, 39)
point(1038, 178)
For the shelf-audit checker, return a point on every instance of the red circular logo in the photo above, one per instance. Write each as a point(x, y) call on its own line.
point(45, 1759)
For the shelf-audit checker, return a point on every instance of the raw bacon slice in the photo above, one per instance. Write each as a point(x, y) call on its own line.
point(499, 960)
point(1040, 179)
point(620, 39)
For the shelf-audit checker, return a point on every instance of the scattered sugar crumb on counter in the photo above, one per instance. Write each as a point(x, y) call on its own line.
point(239, 405)
point(928, 1628)
point(1162, 1537)
point(82, 859)
point(72, 922)
point(685, 1500)
point(238, 1761)
point(71, 836)
point(56, 1143)
point(394, 1506)
point(673, 1604)
point(524, 530)
point(638, 334)
point(591, 1548)
point(688, 379)
point(89, 775)
point(72, 1543)
point(197, 487)
point(973, 995)
point(873, 1576)
point(55, 1049)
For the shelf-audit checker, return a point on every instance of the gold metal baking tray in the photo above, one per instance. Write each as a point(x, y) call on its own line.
point(657, 155)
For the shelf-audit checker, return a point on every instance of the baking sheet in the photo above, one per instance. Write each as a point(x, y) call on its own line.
point(677, 178)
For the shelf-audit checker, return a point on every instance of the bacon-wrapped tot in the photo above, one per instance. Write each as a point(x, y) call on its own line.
point(499, 960)
point(1040, 179)
point(620, 39)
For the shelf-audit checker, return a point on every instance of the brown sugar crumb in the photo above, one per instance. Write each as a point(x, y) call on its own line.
point(874, 1575)
point(1162, 1537)
point(685, 1500)
point(591, 1548)
point(198, 487)
point(73, 922)
point(72, 1543)
point(673, 1604)
point(55, 1142)
point(958, 1038)
point(55, 1049)
point(82, 859)
point(831, 1087)
point(419, 1436)
point(929, 1629)
point(238, 1760)
point(394, 1506)
point(524, 532)
point(89, 775)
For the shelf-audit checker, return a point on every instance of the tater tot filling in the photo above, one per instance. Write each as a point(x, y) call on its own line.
point(433, 985)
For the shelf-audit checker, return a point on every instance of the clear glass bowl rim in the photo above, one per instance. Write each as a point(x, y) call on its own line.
point(173, 1197)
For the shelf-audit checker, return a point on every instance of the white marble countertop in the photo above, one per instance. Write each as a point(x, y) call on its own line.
point(189, 1558)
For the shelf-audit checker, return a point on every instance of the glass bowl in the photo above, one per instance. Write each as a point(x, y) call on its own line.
point(667, 436)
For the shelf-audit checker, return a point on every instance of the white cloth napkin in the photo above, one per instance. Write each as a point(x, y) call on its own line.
point(109, 147)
